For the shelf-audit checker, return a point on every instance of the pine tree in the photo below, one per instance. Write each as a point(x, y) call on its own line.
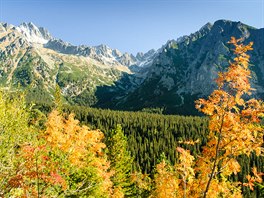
point(121, 161)
point(58, 99)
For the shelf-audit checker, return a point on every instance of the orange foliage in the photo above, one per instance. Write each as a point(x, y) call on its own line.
point(252, 179)
point(234, 125)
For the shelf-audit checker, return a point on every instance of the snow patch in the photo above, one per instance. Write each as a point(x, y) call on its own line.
point(33, 34)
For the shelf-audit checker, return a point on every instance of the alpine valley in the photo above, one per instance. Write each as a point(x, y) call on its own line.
point(170, 78)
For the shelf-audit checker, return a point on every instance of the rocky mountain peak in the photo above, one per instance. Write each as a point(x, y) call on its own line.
point(5, 26)
point(225, 28)
point(206, 27)
point(34, 34)
point(227, 23)
point(141, 55)
point(103, 50)
point(101, 53)
point(204, 30)
point(116, 52)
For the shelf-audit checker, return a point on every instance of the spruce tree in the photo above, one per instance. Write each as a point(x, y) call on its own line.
point(58, 98)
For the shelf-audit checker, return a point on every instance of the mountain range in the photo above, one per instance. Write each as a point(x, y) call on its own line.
point(170, 78)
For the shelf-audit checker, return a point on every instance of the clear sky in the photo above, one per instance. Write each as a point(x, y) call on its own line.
point(128, 25)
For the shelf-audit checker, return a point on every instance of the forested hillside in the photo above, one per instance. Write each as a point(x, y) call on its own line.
point(149, 135)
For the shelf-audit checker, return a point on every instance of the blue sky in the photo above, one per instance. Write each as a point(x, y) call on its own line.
point(128, 25)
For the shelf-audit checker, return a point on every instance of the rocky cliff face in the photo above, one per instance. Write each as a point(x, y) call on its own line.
point(171, 77)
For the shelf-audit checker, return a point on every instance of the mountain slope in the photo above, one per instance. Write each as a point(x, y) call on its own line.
point(170, 78)
point(185, 69)
point(25, 60)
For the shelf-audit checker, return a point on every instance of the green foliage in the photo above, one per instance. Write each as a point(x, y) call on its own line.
point(84, 182)
point(69, 73)
point(14, 131)
point(38, 94)
point(86, 98)
point(24, 74)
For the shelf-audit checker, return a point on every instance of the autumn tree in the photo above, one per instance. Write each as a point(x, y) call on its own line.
point(175, 181)
point(234, 126)
point(63, 159)
point(26, 167)
point(37, 173)
point(166, 183)
point(81, 153)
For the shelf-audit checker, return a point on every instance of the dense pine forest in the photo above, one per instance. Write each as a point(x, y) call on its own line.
point(149, 135)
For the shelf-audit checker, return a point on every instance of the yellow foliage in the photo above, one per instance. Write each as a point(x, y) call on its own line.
point(68, 136)
point(83, 146)
point(117, 193)
point(166, 182)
